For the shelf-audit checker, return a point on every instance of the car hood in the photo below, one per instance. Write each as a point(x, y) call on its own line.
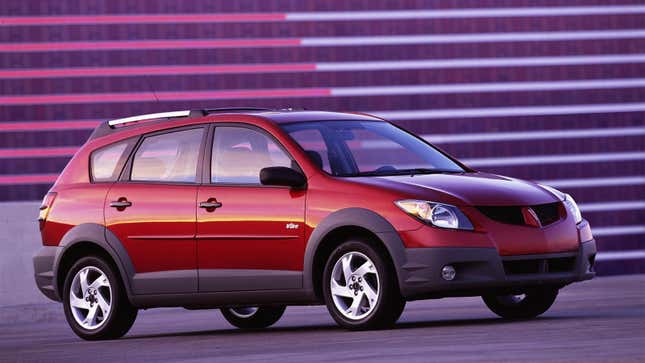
point(475, 189)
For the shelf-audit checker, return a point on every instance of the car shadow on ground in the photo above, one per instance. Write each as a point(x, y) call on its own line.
point(332, 327)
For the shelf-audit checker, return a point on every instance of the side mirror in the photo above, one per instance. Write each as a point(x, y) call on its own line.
point(280, 175)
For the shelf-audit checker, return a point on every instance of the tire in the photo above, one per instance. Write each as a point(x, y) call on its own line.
point(253, 317)
point(367, 295)
point(92, 285)
point(526, 306)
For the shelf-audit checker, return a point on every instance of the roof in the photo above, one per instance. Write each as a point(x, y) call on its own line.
point(277, 116)
point(291, 116)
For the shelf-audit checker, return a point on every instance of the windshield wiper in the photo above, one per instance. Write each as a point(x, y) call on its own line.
point(415, 171)
point(411, 172)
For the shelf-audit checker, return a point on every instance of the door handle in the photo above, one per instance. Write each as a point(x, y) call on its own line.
point(120, 204)
point(210, 204)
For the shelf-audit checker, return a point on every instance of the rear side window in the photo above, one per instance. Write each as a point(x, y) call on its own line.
point(170, 157)
point(106, 162)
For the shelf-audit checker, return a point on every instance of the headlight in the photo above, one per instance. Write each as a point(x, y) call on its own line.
point(437, 214)
point(572, 207)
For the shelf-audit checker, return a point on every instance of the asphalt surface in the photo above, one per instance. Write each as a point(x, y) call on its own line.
point(602, 320)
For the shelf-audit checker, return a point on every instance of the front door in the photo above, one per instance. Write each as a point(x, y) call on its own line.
point(152, 211)
point(249, 236)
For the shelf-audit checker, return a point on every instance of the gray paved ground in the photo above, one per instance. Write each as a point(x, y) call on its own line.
point(599, 320)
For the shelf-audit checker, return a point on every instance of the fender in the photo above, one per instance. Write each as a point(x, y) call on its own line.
point(353, 217)
point(103, 238)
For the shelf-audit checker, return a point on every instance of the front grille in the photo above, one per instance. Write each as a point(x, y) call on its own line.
point(522, 267)
point(543, 265)
point(563, 264)
point(547, 213)
point(510, 215)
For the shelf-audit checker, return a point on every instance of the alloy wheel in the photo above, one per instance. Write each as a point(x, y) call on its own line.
point(511, 300)
point(245, 312)
point(90, 298)
point(355, 286)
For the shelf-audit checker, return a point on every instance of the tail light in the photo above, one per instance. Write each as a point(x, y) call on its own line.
point(45, 207)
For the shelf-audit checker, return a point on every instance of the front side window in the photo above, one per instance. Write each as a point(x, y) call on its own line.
point(170, 157)
point(104, 163)
point(312, 142)
point(369, 148)
point(240, 153)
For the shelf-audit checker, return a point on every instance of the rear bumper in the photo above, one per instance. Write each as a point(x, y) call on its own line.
point(44, 271)
point(481, 270)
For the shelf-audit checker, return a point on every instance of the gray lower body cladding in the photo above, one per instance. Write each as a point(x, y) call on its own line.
point(44, 271)
point(478, 271)
point(481, 270)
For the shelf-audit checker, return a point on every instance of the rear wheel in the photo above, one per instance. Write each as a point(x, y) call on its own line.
point(360, 289)
point(522, 306)
point(253, 317)
point(95, 302)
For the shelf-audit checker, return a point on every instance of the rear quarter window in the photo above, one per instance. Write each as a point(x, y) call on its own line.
point(106, 162)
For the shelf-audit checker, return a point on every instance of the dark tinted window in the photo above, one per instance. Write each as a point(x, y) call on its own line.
point(170, 157)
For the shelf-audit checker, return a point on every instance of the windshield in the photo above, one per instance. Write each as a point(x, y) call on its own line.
point(368, 148)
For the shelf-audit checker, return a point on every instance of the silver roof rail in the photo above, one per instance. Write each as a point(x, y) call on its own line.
point(151, 116)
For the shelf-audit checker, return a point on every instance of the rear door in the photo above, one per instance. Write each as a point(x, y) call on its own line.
point(152, 210)
point(249, 236)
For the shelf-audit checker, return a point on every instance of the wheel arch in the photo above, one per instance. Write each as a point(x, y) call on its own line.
point(92, 239)
point(335, 229)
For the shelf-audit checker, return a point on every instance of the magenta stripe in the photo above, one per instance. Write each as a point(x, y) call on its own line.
point(154, 70)
point(48, 125)
point(150, 44)
point(137, 19)
point(162, 96)
point(37, 152)
point(28, 179)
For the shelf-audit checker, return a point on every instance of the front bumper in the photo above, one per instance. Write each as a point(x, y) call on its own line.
point(481, 270)
point(44, 271)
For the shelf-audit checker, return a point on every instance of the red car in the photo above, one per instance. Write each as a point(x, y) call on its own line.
point(251, 210)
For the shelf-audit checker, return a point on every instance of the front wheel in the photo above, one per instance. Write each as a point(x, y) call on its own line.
point(360, 288)
point(522, 306)
point(253, 317)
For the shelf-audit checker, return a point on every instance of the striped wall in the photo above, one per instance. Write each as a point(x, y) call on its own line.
point(547, 90)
